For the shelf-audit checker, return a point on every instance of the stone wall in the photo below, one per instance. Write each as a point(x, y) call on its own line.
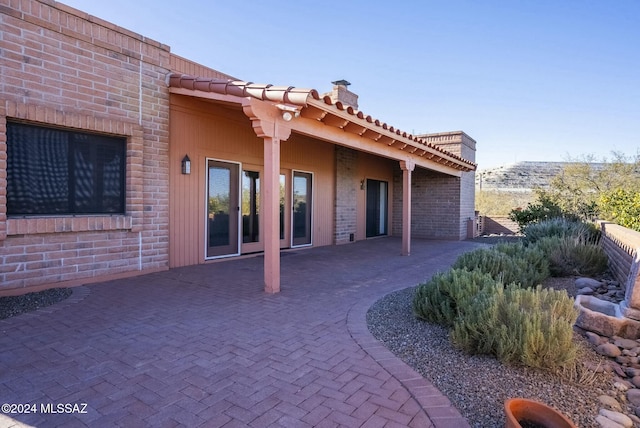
point(61, 67)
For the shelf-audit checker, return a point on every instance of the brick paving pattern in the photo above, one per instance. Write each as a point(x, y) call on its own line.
point(205, 346)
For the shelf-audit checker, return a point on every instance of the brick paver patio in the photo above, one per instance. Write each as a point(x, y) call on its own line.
point(205, 346)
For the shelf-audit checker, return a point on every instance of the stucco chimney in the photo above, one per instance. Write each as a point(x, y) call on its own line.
point(342, 94)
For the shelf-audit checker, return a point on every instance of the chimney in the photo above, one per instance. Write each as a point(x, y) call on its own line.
point(342, 94)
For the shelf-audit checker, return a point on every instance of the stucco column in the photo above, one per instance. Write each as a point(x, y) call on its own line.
point(268, 124)
point(270, 211)
point(407, 167)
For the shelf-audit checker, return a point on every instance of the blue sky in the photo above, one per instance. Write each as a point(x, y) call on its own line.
point(528, 80)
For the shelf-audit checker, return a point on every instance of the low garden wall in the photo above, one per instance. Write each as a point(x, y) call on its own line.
point(497, 225)
point(622, 246)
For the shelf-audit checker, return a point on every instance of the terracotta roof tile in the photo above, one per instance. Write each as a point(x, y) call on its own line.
point(300, 96)
point(282, 94)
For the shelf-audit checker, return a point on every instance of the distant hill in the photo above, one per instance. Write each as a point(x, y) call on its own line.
point(521, 176)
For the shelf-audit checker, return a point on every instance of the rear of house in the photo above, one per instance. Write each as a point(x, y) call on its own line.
point(118, 158)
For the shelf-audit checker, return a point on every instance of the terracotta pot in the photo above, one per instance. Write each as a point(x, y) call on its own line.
point(521, 409)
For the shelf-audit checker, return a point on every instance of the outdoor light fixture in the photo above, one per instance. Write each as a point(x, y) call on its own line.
point(186, 165)
point(362, 184)
point(288, 112)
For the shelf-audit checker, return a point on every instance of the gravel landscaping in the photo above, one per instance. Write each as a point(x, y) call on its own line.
point(479, 385)
point(15, 305)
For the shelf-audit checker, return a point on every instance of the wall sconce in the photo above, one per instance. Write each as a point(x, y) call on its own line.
point(186, 165)
point(362, 184)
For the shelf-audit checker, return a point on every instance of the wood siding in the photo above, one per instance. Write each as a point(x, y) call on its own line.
point(202, 130)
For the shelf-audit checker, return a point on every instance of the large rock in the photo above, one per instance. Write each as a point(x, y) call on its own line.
point(588, 282)
point(617, 417)
point(608, 350)
point(604, 318)
point(633, 395)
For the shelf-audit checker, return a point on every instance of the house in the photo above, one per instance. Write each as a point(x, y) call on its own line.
point(118, 158)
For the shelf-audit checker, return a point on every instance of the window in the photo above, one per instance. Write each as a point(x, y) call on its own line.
point(51, 171)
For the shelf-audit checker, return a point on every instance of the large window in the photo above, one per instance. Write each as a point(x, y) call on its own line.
point(52, 171)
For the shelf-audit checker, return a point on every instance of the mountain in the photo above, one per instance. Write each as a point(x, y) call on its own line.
point(521, 176)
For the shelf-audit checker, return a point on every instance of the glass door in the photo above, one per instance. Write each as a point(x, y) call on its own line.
point(377, 208)
point(222, 209)
point(302, 184)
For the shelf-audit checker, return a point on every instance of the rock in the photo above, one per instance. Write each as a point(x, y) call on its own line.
point(625, 343)
point(585, 290)
point(636, 381)
point(595, 339)
point(633, 395)
point(610, 402)
point(632, 372)
point(622, 386)
point(607, 423)
point(588, 282)
point(617, 417)
point(608, 350)
point(623, 360)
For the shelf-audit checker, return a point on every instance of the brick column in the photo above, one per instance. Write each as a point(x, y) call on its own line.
point(407, 167)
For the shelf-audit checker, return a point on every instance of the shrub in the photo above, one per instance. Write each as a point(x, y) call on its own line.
point(508, 263)
point(585, 232)
point(536, 212)
point(622, 206)
point(533, 327)
point(439, 299)
point(571, 256)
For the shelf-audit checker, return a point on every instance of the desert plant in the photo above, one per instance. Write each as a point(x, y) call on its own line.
point(508, 263)
point(571, 256)
point(561, 227)
point(533, 327)
point(439, 299)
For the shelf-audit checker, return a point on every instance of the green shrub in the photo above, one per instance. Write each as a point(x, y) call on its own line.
point(536, 212)
point(508, 263)
point(585, 232)
point(622, 206)
point(439, 299)
point(533, 327)
point(570, 256)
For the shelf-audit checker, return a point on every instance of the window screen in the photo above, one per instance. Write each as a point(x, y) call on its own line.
point(54, 171)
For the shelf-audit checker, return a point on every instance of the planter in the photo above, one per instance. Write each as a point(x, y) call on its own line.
point(533, 414)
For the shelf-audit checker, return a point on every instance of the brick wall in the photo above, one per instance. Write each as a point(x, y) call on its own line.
point(443, 205)
point(346, 194)
point(61, 67)
point(436, 201)
point(622, 246)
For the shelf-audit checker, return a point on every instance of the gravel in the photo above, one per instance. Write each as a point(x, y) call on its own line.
point(15, 305)
point(478, 385)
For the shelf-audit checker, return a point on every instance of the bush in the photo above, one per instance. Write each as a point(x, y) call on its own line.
point(622, 206)
point(508, 263)
point(560, 227)
point(536, 212)
point(439, 299)
point(533, 327)
point(570, 256)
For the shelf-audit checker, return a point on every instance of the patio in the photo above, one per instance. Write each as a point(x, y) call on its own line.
point(205, 346)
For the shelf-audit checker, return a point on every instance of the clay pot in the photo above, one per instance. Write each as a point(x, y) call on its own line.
point(520, 409)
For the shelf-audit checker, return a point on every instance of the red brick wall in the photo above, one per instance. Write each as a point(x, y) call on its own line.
point(61, 67)
point(622, 246)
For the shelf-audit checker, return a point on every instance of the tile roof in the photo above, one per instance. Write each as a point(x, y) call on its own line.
point(326, 111)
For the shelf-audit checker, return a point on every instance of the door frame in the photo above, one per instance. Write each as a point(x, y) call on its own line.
point(310, 212)
point(206, 209)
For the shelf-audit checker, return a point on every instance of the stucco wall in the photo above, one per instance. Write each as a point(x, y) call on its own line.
point(59, 68)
